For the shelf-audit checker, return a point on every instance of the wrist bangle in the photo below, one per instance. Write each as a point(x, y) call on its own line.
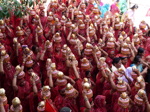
point(86, 99)
point(15, 76)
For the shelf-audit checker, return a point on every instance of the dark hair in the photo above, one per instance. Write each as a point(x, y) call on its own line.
point(148, 33)
point(122, 58)
point(135, 6)
point(65, 109)
point(116, 60)
point(136, 59)
point(34, 48)
point(87, 73)
point(140, 50)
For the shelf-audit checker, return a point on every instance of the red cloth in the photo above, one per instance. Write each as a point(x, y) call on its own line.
point(137, 108)
point(114, 101)
point(28, 41)
point(33, 102)
point(22, 93)
point(99, 104)
point(121, 109)
point(89, 8)
point(9, 71)
point(71, 103)
point(59, 102)
point(114, 9)
point(17, 21)
point(43, 20)
point(148, 12)
point(147, 47)
point(49, 107)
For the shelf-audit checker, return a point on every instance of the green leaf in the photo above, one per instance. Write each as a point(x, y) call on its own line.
point(30, 3)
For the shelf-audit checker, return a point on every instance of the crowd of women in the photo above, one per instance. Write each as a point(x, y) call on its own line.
point(69, 59)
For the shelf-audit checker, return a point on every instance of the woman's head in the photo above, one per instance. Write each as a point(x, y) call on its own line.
point(111, 53)
point(134, 7)
point(140, 51)
point(137, 60)
point(99, 101)
point(21, 82)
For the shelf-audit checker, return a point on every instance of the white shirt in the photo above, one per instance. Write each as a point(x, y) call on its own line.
point(113, 68)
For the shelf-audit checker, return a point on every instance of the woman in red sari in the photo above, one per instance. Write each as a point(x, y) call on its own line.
point(43, 18)
point(35, 85)
point(72, 64)
point(128, 28)
point(61, 9)
point(70, 98)
point(139, 105)
point(147, 47)
point(99, 104)
point(75, 46)
point(89, 7)
point(21, 87)
point(20, 35)
point(57, 45)
point(9, 71)
point(39, 37)
point(123, 103)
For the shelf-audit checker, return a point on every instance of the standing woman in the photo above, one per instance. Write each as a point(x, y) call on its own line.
point(131, 12)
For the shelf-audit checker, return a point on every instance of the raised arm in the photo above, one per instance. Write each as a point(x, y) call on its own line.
point(2, 109)
point(75, 70)
point(34, 87)
point(87, 103)
point(51, 84)
point(112, 82)
point(1, 64)
point(70, 79)
point(14, 82)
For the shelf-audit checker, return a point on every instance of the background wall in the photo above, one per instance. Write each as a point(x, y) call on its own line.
point(140, 14)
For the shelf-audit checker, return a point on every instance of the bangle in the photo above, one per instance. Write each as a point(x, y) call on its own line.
point(15, 76)
point(86, 99)
point(1, 61)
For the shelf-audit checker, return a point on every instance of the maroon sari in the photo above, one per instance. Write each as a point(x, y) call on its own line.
point(99, 104)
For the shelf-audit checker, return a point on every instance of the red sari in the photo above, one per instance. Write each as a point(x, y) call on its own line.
point(99, 104)
point(138, 108)
point(9, 71)
point(59, 60)
point(43, 20)
point(89, 8)
point(115, 97)
point(22, 93)
point(59, 102)
point(28, 40)
point(121, 109)
point(71, 103)
point(147, 47)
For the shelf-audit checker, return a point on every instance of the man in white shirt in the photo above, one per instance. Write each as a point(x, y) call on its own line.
point(116, 64)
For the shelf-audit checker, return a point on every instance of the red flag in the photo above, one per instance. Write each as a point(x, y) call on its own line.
point(148, 12)
point(49, 107)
